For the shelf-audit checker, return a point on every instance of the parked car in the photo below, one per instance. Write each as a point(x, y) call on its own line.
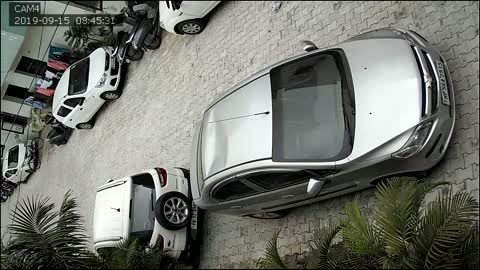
point(185, 17)
point(153, 206)
point(326, 123)
point(21, 160)
point(84, 87)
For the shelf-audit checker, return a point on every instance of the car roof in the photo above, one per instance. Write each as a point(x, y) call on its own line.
point(238, 128)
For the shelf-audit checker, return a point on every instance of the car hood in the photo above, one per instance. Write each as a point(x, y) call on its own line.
point(388, 92)
point(238, 128)
point(97, 67)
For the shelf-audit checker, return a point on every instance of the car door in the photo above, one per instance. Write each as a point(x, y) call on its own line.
point(260, 191)
point(197, 9)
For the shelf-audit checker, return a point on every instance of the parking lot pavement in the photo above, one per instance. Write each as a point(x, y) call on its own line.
point(152, 123)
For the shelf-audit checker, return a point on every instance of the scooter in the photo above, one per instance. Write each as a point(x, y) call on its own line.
point(144, 33)
point(59, 134)
point(147, 35)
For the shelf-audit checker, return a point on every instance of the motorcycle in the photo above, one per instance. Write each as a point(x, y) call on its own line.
point(59, 134)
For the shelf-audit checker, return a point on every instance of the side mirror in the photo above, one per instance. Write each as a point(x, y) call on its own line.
point(314, 186)
point(109, 180)
point(309, 46)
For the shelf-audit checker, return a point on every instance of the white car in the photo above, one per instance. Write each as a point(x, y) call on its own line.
point(153, 206)
point(185, 17)
point(84, 87)
point(19, 163)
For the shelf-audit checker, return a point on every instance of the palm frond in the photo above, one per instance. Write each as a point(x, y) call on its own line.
point(321, 255)
point(446, 223)
point(47, 238)
point(470, 248)
point(271, 259)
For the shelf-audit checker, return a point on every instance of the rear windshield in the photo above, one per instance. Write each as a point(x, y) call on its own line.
point(13, 157)
point(79, 77)
point(143, 205)
point(313, 109)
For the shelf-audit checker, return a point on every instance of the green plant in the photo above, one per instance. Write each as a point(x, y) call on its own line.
point(43, 238)
point(86, 37)
point(271, 259)
point(129, 254)
point(77, 36)
point(401, 233)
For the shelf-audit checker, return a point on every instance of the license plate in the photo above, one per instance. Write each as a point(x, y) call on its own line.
point(443, 83)
point(112, 62)
point(193, 222)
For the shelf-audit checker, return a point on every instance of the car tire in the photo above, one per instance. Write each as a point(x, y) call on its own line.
point(155, 44)
point(86, 125)
point(191, 27)
point(110, 95)
point(172, 206)
point(134, 55)
point(38, 143)
point(269, 215)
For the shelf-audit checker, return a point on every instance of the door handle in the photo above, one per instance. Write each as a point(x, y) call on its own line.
point(236, 207)
point(288, 196)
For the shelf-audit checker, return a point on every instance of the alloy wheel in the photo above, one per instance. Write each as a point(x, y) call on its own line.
point(85, 125)
point(111, 95)
point(176, 210)
point(191, 28)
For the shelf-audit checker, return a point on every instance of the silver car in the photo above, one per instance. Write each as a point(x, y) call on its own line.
point(326, 123)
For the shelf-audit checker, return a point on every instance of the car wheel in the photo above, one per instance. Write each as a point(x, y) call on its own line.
point(191, 27)
point(86, 125)
point(38, 143)
point(134, 55)
point(154, 44)
point(110, 95)
point(269, 215)
point(173, 211)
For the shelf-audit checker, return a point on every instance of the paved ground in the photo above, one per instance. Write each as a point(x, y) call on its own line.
point(166, 92)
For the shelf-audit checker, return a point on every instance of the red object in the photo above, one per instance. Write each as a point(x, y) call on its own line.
point(46, 92)
point(163, 176)
point(58, 65)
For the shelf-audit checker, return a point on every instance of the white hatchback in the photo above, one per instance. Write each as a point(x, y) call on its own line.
point(21, 160)
point(153, 206)
point(84, 87)
point(185, 17)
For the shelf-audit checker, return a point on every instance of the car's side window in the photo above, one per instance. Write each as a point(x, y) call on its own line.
point(73, 102)
point(63, 111)
point(233, 190)
point(323, 173)
point(10, 173)
point(274, 180)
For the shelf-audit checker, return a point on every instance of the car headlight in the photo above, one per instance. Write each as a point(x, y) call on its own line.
point(415, 142)
point(102, 80)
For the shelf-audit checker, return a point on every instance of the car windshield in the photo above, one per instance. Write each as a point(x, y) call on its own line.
point(13, 157)
point(79, 77)
point(313, 109)
point(143, 205)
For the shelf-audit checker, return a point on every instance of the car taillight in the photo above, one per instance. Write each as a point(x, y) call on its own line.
point(163, 176)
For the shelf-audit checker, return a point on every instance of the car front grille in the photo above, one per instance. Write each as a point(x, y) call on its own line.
point(429, 79)
point(433, 85)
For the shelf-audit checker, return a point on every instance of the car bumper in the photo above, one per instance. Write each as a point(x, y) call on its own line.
point(436, 107)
